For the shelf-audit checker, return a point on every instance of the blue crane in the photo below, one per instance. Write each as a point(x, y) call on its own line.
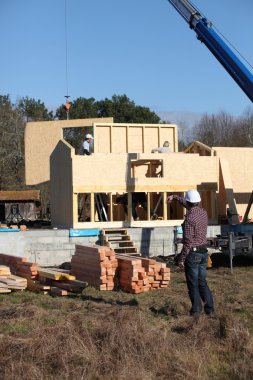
point(222, 52)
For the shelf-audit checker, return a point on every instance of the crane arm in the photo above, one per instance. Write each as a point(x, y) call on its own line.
point(222, 52)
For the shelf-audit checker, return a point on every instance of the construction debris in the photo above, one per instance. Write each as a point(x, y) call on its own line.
point(35, 278)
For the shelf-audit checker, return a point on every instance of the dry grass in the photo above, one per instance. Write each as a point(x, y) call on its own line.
point(113, 335)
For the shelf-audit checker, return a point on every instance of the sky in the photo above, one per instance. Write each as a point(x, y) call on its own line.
point(141, 48)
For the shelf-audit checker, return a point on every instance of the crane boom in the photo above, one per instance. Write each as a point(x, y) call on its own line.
point(222, 52)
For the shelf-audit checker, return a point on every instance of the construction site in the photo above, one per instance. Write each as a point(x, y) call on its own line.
point(86, 212)
point(117, 196)
point(103, 273)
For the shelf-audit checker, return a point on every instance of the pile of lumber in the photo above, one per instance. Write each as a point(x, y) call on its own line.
point(95, 264)
point(99, 266)
point(19, 266)
point(37, 279)
point(138, 275)
point(59, 282)
point(10, 282)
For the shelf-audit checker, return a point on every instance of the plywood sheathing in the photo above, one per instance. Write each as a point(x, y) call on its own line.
point(235, 176)
point(41, 138)
point(240, 185)
point(22, 195)
point(72, 174)
point(133, 138)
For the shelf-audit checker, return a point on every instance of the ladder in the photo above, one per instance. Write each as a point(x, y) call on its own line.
point(100, 208)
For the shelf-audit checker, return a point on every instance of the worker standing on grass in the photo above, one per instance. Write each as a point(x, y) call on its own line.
point(87, 144)
point(193, 257)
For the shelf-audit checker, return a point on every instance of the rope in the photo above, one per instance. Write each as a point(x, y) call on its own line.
point(66, 50)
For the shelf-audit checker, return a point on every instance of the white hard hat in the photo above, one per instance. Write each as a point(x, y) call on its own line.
point(88, 136)
point(192, 196)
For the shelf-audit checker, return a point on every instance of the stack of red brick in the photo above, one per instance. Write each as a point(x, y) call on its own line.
point(102, 268)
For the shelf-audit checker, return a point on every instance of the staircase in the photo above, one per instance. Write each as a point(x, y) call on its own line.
point(119, 240)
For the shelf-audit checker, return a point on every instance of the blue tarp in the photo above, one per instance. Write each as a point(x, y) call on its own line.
point(91, 232)
point(5, 229)
point(236, 228)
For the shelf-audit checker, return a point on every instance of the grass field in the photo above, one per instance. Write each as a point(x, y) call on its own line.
point(114, 335)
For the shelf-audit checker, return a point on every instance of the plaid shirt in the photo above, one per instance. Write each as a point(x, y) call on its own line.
point(194, 228)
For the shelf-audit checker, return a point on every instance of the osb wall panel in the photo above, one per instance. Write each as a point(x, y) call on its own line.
point(119, 140)
point(240, 186)
point(133, 138)
point(41, 138)
point(61, 184)
point(101, 172)
point(240, 165)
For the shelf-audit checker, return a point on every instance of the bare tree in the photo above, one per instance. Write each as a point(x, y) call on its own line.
point(215, 130)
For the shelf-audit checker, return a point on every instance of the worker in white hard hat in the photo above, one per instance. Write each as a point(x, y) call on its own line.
point(87, 144)
point(194, 255)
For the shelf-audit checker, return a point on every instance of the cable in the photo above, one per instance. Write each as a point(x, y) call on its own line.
point(229, 43)
point(66, 50)
point(233, 47)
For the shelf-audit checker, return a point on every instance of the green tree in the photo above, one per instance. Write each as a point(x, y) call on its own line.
point(124, 110)
point(120, 107)
point(81, 108)
point(11, 146)
point(33, 110)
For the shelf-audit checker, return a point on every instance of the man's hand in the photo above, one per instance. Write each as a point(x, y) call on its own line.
point(170, 198)
point(181, 265)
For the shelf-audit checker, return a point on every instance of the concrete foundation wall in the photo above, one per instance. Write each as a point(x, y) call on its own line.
point(53, 247)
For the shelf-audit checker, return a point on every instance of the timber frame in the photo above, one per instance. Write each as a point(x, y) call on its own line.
point(122, 163)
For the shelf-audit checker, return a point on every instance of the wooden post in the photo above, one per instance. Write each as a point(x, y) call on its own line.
point(75, 208)
point(165, 208)
point(110, 207)
point(92, 207)
point(129, 207)
point(148, 206)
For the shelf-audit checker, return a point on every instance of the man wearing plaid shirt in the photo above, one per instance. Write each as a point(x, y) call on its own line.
point(193, 257)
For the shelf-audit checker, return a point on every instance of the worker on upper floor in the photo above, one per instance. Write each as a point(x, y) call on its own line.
point(87, 144)
point(163, 149)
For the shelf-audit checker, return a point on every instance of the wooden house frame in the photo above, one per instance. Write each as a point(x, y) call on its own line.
point(122, 163)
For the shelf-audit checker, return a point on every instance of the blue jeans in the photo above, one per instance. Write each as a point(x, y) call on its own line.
point(195, 273)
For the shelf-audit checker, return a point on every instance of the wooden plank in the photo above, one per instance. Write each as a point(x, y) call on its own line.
point(55, 291)
point(36, 286)
point(54, 275)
